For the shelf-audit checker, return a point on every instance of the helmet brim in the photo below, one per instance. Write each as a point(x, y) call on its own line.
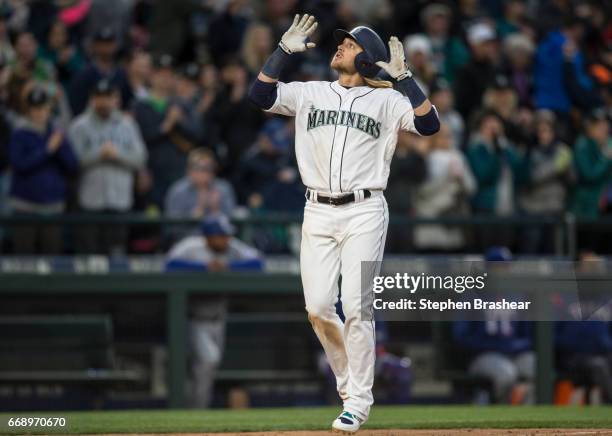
point(340, 34)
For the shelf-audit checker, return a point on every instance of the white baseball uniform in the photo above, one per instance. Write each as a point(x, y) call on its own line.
point(345, 139)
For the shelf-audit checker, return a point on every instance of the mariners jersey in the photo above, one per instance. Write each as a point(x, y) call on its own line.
point(345, 137)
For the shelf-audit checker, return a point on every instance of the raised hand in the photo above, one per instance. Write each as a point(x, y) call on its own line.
point(294, 39)
point(55, 141)
point(396, 67)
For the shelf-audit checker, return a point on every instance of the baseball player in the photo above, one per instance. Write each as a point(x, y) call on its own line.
point(346, 132)
point(215, 250)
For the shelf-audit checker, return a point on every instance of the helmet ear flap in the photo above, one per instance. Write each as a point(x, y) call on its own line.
point(365, 66)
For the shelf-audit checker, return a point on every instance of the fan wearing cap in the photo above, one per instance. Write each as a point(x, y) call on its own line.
point(110, 150)
point(103, 65)
point(42, 160)
point(501, 97)
point(419, 57)
point(449, 52)
point(214, 250)
point(593, 163)
point(473, 78)
point(345, 136)
point(188, 98)
point(441, 96)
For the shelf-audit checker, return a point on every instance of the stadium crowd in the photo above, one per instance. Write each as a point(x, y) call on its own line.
point(118, 106)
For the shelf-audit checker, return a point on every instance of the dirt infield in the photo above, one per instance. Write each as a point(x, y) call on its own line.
point(404, 432)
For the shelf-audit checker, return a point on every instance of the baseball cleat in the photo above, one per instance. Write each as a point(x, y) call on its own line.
point(347, 423)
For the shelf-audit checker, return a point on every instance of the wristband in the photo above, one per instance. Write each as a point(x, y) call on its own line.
point(411, 89)
point(404, 75)
point(275, 63)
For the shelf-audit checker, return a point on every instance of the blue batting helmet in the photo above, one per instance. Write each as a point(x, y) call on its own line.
point(374, 49)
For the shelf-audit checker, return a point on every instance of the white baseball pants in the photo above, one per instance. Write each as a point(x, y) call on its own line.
point(335, 240)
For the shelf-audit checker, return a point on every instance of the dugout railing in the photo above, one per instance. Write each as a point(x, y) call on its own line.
point(564, 228)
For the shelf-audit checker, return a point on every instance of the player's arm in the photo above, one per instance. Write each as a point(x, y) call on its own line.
point(426, 119)
point(294, 40)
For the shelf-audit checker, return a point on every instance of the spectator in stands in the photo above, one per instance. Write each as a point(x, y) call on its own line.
point(58, 50)
point(139, 73)
point(578, 82)
point(227, 30)
point(214, 251)
point(200, 193)
point(25, 69)
point(209, 87)
point(441, 96)
point(169, 24)
point(444, 193)
point(593, 166)
point(498, 167)
point(518, 51)
point(286, 193)
point(449, 52)
point(257, 45)
point(419, 57)
point(515, 12)
point(110, 150)
point(42, 161)
point(551, 175)
point(408, 168)
point(232, 104)
point(551, 87)
point(474, 77)
point(103, 65)
point(501, 97)
point(105, 13)
point(165, 129)
point(27, 61)
point(262, 164)
point(593, 163)
point(188, 98)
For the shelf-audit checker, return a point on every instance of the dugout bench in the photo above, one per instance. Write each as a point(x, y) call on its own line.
point(71, 351)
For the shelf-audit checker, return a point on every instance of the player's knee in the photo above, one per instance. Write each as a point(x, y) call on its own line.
point(317, 311)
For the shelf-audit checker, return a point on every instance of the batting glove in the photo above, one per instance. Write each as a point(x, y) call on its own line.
point(294, 39)
point(396, 67)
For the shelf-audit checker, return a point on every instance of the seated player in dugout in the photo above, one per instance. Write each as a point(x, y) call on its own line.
point(346, 133)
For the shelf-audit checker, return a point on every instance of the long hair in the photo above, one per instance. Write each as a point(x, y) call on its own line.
point(254, 58)
point(377, 83)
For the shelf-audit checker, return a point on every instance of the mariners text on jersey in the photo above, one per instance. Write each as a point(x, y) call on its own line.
point(355, 120)
point(344, 137)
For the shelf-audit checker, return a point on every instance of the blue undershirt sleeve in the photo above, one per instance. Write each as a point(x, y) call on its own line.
point(263, 94)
